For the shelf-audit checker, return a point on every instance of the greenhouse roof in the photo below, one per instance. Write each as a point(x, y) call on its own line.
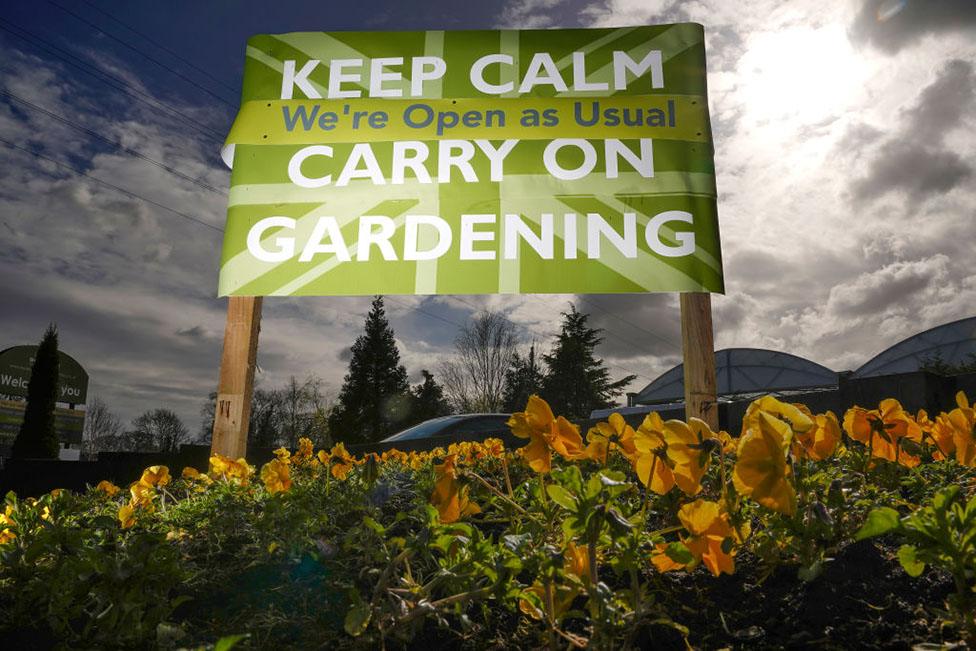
point(742, 371)
point(949, 344)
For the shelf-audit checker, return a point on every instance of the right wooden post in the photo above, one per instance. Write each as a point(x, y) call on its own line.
point(237, 363)
point(698, 348)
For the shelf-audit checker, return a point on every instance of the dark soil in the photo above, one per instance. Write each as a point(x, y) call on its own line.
point(863, 599)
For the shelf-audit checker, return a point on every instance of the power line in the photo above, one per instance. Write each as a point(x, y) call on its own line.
point(162, 47)
point(128, 193)
point(109, 80)
point(143, 54)
point(95, 134)
point(592, 302)
point(423, 311)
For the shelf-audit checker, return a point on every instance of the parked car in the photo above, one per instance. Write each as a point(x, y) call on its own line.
point(459, 427)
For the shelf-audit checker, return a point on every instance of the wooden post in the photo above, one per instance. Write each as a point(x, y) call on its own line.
point(698, 348)
point(233, 409)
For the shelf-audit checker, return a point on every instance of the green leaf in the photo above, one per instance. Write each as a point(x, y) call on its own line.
point(615, 518)
point(228, 642)
point(880, 521)
point(104, 522)
point(678, 553)
point(562, 497)
point(908, 557)
point(374, 525)
point(515, 542)
point(808, 573)
point(944, 497)
point(613, 478)
point(357, 619)
point(593, 486)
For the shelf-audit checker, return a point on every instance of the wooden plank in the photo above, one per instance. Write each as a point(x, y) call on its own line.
point(698, 348)
point(237, 363)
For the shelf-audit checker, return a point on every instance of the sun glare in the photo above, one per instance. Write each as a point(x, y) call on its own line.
point(800, 75)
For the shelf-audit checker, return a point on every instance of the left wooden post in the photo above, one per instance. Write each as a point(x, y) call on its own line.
point(233, 408)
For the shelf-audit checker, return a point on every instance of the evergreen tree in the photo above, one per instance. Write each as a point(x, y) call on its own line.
point(577, 382)
point(37, 438)
point(375, 396)
point(428, 400)
point(523, 378)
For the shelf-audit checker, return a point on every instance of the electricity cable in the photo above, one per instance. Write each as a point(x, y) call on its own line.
point(119, 145)
point(128, 193)
point(111, 81)
point(143, 54)
point(162, 47)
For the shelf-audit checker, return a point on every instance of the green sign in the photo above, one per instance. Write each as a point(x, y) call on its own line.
point(477, 162)
point(15, 371)
point(69, 424)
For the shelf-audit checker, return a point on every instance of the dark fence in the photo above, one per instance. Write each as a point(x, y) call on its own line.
point(917, 390)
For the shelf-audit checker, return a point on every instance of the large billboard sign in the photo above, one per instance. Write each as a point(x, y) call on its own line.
point(473, 162)
point(15, 371)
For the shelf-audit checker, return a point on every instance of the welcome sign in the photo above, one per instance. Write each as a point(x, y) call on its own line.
point(472, 162)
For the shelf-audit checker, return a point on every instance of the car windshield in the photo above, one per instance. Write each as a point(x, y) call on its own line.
point(425, 429)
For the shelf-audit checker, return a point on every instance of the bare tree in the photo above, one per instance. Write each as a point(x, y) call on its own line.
point(474, 379)
point(161, 429)
point(102, 428)
point(299, 403)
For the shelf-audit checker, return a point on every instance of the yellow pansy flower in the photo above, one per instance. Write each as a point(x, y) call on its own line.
point(688, 446)
point(450, 497)
point(107, 487)
point(761, 471)
point(651, 459)
point(127, 516)
point(546, 434)
point(155, 476)
point(276, 476)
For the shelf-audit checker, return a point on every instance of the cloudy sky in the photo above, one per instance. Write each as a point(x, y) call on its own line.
point(845, 133)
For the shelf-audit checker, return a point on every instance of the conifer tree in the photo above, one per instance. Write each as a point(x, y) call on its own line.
point(375, 397)
point(576, 381)
point(37, 438)
point(428, 400)
point(523, 378)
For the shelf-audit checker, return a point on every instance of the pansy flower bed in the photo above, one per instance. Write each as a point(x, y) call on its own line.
point(808, 530)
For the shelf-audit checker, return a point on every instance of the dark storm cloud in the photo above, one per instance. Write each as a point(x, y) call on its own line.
point(915, 169)
point(893, 285)
point(890, 25)
point(196, 332)
point(635, 325)
point(916, 160)
point(942, 105)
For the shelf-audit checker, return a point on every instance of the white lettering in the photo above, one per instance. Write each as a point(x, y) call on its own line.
point(381, 238)
point(419, 73)
point(289, 79)
point(643, 164)
point(285, 245)
point(337, 76)
point(622, 63)
point(412, 237)
point(469, 236)
point(554, 168)
point(337, 245)
point(652, 233)
point(478, 72)
point(597, 226)
point(295, 167)
point(377, 77)
point(534, 77)
point(515, 228)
